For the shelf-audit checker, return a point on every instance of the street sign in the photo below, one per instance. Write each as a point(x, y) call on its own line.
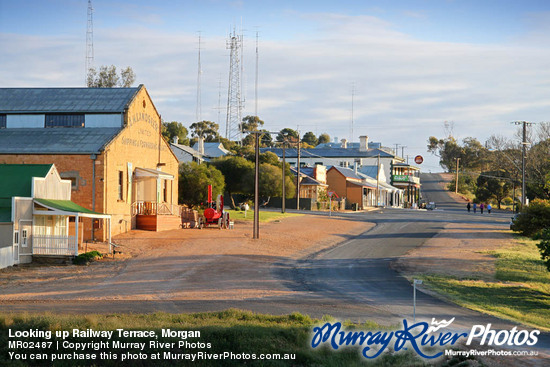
point(418, 159)
point(332, 193)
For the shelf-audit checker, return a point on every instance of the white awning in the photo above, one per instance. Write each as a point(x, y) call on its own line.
point(149, 172)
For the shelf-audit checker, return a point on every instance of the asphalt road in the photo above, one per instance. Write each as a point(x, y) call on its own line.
point(351, 281)
point(359, 271)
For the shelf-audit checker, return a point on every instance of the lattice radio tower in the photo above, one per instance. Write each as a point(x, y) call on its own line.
point(234, 102)
point(89, 41)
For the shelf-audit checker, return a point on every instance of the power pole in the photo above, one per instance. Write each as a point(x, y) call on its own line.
point(456, 183)
point(524, 144)
point(298, 176)
point(256, 80)
point(89, 42)
point(378, 181)
point(284, 179)
point(256, 232)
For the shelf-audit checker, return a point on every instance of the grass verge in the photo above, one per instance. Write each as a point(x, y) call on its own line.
point(265, 216)
point(232, 330)
point(519, 292)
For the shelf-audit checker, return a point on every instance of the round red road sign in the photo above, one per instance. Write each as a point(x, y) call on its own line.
point(418, 159)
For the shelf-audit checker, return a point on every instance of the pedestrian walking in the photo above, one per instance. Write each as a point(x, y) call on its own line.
point(481, 208)
point(489, 207)
point(468, 206)
point(475, 207)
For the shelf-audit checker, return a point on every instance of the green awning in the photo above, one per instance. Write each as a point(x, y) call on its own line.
point(67, 207)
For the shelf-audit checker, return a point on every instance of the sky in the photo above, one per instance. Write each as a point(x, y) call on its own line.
point(395, 71)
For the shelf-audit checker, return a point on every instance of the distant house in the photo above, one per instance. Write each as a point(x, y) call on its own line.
point(370, 159)
point(407, 178)
point(362, 190)
point(210, 150)
point(313, 182)
point(341, 156)
point(186, 154)
point(37, 216)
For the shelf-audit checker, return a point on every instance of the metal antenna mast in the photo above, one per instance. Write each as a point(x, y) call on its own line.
point(89, 41)
point(234, 103)
point(256, 81)
point(351, 125)
point(198, 113)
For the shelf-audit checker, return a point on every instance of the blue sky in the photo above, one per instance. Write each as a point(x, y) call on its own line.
point(412, 64)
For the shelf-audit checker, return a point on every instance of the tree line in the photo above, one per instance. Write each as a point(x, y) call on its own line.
point(493, 171)
point(234, 173)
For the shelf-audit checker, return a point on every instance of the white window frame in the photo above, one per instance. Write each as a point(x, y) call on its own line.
point(24, 238)
point(16, 237)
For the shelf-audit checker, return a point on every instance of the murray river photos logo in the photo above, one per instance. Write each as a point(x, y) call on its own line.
point(418, 336)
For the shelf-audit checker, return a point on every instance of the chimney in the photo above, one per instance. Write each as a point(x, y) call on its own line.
point(344, 143)
point(200, 144)
point(175, 139)
point(363, 143)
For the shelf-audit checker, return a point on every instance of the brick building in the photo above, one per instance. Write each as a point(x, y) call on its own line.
point(106, 141)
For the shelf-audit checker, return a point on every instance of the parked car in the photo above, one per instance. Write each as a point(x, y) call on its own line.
point(431, 205)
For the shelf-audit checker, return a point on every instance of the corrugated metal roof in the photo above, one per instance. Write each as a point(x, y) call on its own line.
point(17, 178)
point(66, 100)
point(213, 150)
point(329, 153)
point(370, 171)
point(55, 140)
point(347, 172)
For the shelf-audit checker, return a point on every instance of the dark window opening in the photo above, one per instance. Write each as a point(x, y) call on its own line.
point(66, 120)
point(120, 185)
point(96, 223)
point(73, 176)
point(2, 121)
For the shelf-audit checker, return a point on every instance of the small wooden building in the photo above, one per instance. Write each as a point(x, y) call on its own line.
point(37, 216)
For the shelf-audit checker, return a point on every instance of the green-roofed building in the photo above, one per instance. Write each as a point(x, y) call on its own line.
point(37, 216)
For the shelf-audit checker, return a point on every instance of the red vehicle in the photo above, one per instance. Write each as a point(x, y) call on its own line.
point(214, 213)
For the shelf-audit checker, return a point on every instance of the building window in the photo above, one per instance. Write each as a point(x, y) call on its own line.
point(24, 237)
point(73, 176)
point(120, 185)
point(2, 121)
point(165, 190)
point(16, 238)
point(318, 163)
point(65, 120)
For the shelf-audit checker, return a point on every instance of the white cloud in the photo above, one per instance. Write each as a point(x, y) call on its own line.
point(404, 87)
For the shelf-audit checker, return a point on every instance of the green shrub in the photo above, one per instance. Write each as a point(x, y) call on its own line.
point(87, 257)
point(544, 247)
point(533, 219)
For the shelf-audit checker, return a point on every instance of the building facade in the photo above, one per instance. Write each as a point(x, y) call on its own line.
point(106, 141)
